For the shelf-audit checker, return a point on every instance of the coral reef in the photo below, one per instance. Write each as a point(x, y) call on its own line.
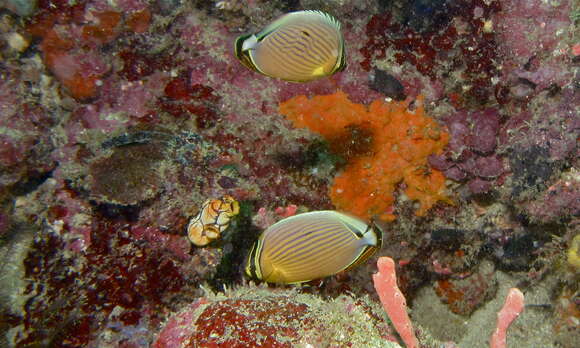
point(120, 118)
point(25, 139)
point(119, 277)
point(20, 7)
point(532, 62)
point(542, 146)
point(385, 144)
point(572, 254)
point(567, 314)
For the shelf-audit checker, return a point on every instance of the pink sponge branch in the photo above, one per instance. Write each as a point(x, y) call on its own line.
point(513, 306)
point(393, 300)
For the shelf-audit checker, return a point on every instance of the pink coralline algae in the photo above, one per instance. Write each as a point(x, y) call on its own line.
point(558, 202)
point(265, 218)
point(532, 38)
point(470, 156)
point(550, 122)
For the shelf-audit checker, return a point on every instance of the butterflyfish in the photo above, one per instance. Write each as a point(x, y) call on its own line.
point(311, 246)
point(298, 47)
point(212, 219)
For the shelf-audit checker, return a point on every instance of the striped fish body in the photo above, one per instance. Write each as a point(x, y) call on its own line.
point(311, 246)
point(298, 47)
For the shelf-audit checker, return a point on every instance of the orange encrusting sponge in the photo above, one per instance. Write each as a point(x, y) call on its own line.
point(401, 142)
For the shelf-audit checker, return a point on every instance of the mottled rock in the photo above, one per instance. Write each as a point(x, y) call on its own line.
point(532, 167)
point(252, 317)
point(128, 176)
point(387, 84)
point(478, 185)
point(463, 296)
point(488, 167)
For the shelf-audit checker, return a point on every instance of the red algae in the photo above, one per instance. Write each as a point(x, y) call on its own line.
point(462, 44)
point(184, 99)
point(70, 39)
point(253, 317)
point(270, 320)
point(106, 28)
point(139, 21)
point(401, 141)
point(115, 274)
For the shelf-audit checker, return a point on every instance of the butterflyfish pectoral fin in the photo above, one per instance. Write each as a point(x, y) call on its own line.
point(249, 43)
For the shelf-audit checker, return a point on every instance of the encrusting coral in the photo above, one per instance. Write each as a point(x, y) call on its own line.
point(397, 139)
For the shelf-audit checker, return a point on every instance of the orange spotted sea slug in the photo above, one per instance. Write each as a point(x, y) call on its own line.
point(399, 137)
point(212, 219)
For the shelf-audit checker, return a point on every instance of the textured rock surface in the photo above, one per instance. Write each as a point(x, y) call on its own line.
point(258, 317)
point(120, 118)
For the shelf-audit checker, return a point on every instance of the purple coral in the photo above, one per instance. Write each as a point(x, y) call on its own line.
point(470, 155)
point(484, 130)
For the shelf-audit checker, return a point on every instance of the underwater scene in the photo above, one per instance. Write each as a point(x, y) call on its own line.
point(290, 173)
